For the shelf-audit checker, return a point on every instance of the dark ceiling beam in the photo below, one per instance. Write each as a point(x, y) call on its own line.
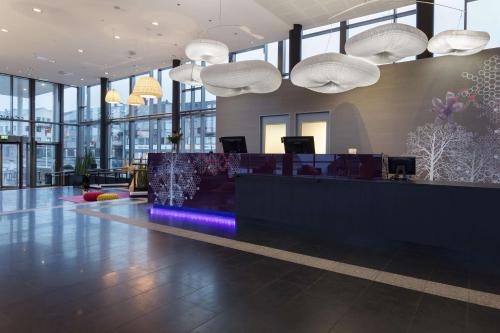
point(295, 49)
point(425, 22)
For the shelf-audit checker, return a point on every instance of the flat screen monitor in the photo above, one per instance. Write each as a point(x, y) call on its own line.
point(402, 165)
point(298, 144)
point(234, 144)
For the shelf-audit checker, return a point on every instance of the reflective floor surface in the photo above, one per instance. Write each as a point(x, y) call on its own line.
point(65, 271)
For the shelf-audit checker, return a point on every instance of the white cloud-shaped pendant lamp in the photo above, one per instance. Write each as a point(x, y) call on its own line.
point(211, 51)
point(187, 74)
point(334, 73)
point(458, 42)
point(387, 43)
point(232, 79)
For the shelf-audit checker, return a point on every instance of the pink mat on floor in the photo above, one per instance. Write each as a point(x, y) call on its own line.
point(79, 198)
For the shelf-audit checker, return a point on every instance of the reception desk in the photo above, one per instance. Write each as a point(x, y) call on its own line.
point(207, 181)
point(461, 217)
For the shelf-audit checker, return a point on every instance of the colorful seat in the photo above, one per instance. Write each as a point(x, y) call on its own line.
point(91, 196)
point(108, 196)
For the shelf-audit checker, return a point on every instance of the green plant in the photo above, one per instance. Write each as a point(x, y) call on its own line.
point(142, 176)
point(83, 163)
point(175, 138)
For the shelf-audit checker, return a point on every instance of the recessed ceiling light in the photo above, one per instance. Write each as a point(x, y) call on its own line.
point(37, 10)
point(52, 61)
point(155, 23)
point(117, 37)
point(106, 73)
point(81, 79)
point(4, 30)
point(80, 51)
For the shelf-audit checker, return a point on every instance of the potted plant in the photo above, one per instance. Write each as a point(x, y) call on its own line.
point(175, 139)
point(82, 166)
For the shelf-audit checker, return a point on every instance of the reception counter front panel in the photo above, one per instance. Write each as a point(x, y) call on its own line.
point(207, 181)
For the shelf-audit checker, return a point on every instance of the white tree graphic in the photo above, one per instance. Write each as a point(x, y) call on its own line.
point(433, 145)
point(479, 163)
point(175, 180)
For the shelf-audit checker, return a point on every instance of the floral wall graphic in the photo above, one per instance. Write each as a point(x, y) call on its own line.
point(447, 150)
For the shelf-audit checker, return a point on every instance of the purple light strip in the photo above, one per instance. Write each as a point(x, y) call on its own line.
point(190, 216)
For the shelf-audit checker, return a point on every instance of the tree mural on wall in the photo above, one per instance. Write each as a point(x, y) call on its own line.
point(479, 162)
point(434, 145)
point(445, 150)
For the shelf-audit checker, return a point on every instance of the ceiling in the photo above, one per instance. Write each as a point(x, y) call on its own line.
point(46, 45)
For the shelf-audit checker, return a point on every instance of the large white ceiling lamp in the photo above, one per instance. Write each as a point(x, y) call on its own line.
point(459, 42)
point(187, 74)
point(334, 73)
point(135, 100)
point(387, 43)
point(112, 97)
point(211, 51)
point(147, 87)
point(236, 78)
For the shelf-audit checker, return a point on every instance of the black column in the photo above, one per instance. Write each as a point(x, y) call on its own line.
point(425, 22)
point(176, 101)
point(343, 36)
point(104, 124)
point(295, 50)
point(60, 145)
point(32, 160)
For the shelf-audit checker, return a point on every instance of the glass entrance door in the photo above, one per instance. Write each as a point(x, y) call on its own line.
point(9, 165)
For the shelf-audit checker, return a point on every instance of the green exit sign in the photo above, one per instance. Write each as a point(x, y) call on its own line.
point(4, 137)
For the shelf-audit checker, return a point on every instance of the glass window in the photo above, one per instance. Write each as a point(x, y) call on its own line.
point(91, 140)
point(166, 85)
point(5, 97)
point(70, 146)
point(165, 131)
point(482, 15)
point(119, 145)
point(120, 110)
point(93, 103)
point(45, 164)
point(45, 132)
point(45, 102)
point(186, 142)
point(371, 17)
point(209, 139)
point(256, 54)
point(141, 140)
point(21, 128)
point(70, 104)
point(272, 53)
point(317, 44)
point(446, 18)
point(5, 127)
point(21, 101)
point(196, 119)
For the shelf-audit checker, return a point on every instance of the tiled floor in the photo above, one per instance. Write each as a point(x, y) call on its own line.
point(64, 271)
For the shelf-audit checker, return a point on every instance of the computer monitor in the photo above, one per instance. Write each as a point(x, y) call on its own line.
point(402, 166)
point(234, 144)
point(298, 144)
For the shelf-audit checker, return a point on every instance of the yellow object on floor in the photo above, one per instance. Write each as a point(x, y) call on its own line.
point(108, 196)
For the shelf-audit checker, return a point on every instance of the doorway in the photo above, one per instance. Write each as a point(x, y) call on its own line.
point(11, 162)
